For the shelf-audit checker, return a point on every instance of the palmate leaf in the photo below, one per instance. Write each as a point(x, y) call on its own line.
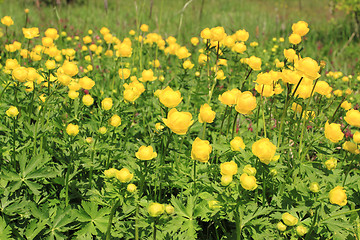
point(93, 217)
point(5, 230)
point(33, 229)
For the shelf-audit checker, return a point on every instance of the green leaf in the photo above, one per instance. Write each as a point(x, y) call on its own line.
point(5, 230)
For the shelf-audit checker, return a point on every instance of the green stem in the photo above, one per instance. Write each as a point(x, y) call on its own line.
point(238, 219)
point(348, 171)
point(137, 220)
point(67, 185)
point(113, 209)
point(223, 119)
point(14, 141)
point(154, 230)
point(194, 189)
point(2, 92)
point(234, 125)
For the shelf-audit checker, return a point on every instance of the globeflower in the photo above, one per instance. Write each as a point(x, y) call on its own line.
point(289, 219)
point(308, 67)
point(87, 100)
point(300, 28)
point(145, 153)
point(7, 21)
point(201, 150)
point(168, 97)
point(333, 132)
point(31, 33)
point(338, 196)
point(72, 129)
point(178, 122)
point(182, 53)
point(124, 175)
point(237, 144)
point(147, 76)
point(295, 38)
point(228, 168)
point(264, 150)
point(107, 104)
point(86, 83)
point(70, 68)
point(156, 209)
point(331, 163)
point(115, 121)
point(206, 114)
point(12, 111)
point(226, 180)
point(254, 63)
point(20, 74)
point(245, 103)
point(217, 33)
point(353, 117)
point(229, 97)
point(248, 182)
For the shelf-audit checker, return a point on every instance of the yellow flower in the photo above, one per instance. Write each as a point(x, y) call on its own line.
point(353, 117)
point(147, 76)
point(245, 103)
point(249, 170)
point(229, 97)
point(145, 153)
point(333, 132)
point(295, 38)
point(194, 41)
point(290, 54)
point(237, 144)
point(323, 88)
point(11, 64)
point(107, 104)
point(301, 230)
point(47, 42)
point(178, 122)
point(228, 168)
point(72, 129)
point(86, 83)
point(226, 180)
point(205, 33)
point(7, 21)
point(213, 204)
point(220, 75)
point(156, 209)
point(70, 68)
point(115, 121)
point(188, 64)
point(314, 187)
point(31, 33)
point(356, 137)
point(20, 74)
point(218, 33)
point(351, 147)
point(131, 188)
point(182, 53)
point(300, 28)
point(289, 219)
point(242, 35)
point(331, 163)
point(87, 100)
point(102, 130)
point(169, 97)
point(308, 67)
point(346, 105)
point(124, 73)
point(338, 196)
point(206, 114)
point(110, 173)
point(124, 175)
point(52, 33)
point(239, 47)
point(12, 111)
point(281, 227)
point(264, 150)
point(169, 209)
point(254, 63)
point(144, 28)
point(296, 108)
point(201, 150)
point(248, 182)
point(50, 64)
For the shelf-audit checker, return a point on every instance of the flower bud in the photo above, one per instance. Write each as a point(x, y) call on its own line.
point(131, 188)
point(289, 219)
point(156, 209)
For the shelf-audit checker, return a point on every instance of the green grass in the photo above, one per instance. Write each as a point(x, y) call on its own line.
point(330, 29)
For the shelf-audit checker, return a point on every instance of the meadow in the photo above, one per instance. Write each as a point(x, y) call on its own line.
point(179, 120)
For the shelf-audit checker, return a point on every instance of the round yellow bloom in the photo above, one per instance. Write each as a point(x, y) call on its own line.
point(333, 132)
point(205, 33)
point(281, 227)
point(188, 64)
point(70, 68)
point(89, 140)
point(242, 35)
point(31, 33)
point(169, 209)
point(248, 182)
point(87, 100)
point(264, 150)
point(194, 41)
point(308, 67)
point(124, 73)
point(72, 129)
point(237, 144)
point(124, 175)
point(7, 21)
point(300, 28)
point(110, 173)
point(245, 103)
point(228, 168)
point(86, 83)
point(314, 187)
point(239, 47)
point(346, 105)
point(12, 111)
point(331, 163)
point(107, 104)
point(52, 33)
point(254, 63)
point(147, 76)
point(178, 122)
point(50, 64)
point(353, 117)
point(206, 114)
point(351, 147)
point(295, 38)
point(20, 74)
point(156, 209)
point(226, 180)
point(296, 108)
point(301, 230)
point(356, 137)
point(201, 150)
point(290, 54)
point(182, 53)
point(169, 97)
point(289, 219)
point(323, 88)
point(102, 130)
point(218, 33)
point(145, 153)
point(229, 97)
point(144, 28)
point(115, 121)
point(11, 64)
point(131, 188)
point(73, 94)
point(338, 196)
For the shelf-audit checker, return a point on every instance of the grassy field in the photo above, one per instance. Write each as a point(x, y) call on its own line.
point(331, 29)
